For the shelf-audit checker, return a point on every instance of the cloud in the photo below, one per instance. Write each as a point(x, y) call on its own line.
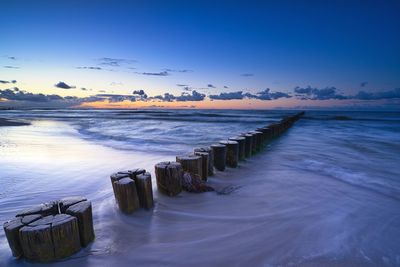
point(390, 94)
point(181, 85)
point(116, 98)
point(12, 58)
point(247, 74)
point(363, 84)
point(142, 95)
point(162, 73)
point(115, 62)
point(210, 85)
point(262, 95)
point(5, 82)
point(63, 85)
point(89, 68)
point(228, 96)
point(226, 86)
point(175, 70)
point(11, 67)
point(310, 93)
point(193, 96)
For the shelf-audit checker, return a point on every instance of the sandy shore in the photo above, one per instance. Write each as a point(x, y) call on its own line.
point(7, 122)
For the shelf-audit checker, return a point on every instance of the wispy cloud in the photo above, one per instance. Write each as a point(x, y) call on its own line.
point(363, 84)
point(162, 73)
point(178, 70)
point(11, 67)
point(89, 68)
point(247, 74)
point(211, 85)
point(63, 85)
point(5, 82)
point(115, 62)
point(262, 95)
point(389, 94)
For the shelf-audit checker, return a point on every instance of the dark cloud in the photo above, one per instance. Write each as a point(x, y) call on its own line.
point(142, 95)
point(210, 85)
point(226, 87)
point(181, 85)
point(89, 68)
point(12, 58)
point(116, 98)
point(83, 89)
point(310, 93)
point(63, 85)
point(5, 82)
point(390, 94)
point(11, 67)
point(363, 84)
point(193, 96)
point(102, 91)
point(228, 96)
point(162, 73)
point(115, 62)
point(247, 74)
point(262, 95)
point(175, 70)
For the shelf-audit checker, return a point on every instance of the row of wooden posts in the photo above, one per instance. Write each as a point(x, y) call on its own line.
point(133, 189)
point(56, 230)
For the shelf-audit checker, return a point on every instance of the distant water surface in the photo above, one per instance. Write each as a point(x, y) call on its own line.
point(325, 193)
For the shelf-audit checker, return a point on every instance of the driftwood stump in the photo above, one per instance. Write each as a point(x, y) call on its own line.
point(219, 151)
point(232, 153)
point(204, 164)
point(248, 144)
point(145, 190)
point(126, 195)
point(242, 145)
point(83, 212)
point(169, 177)
point(210, 158)
point(191, 164)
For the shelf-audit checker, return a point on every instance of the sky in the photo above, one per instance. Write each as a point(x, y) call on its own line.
point(200, 54)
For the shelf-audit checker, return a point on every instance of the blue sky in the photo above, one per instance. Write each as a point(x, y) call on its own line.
point(211, 47)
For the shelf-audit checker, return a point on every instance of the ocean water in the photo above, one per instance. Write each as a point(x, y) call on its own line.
point(325, 193)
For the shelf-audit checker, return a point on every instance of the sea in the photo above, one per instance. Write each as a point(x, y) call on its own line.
point(324, 193)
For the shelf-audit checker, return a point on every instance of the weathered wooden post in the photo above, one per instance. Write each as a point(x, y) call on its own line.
point(232, 153)
point(83, 212)
point(219, 156)
point(126, 195)
point(210, 158)
point(248, 144)
point(242, 145)
point(204, 164)
point(116, 177)
point(50, 238)
point(145, 190)
point(253, 142)
point(11, 229)
point(191, 164)
point(169, 177)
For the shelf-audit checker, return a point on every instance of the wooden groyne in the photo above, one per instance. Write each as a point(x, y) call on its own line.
point(56, 230)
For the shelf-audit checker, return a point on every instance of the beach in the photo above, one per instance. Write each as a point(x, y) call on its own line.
point(325, 193)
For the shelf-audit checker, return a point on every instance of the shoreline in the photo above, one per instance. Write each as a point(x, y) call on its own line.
point(7, 122)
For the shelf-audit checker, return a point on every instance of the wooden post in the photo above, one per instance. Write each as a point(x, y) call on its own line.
point(191, 164)
point(42, 209)
point(169, 177)
point(210, 158)
point(204, 164)
point(67, 202)
point(116, 177)
point(50, 238)
point(232, 153)
point(145, 190)
point(248, 144)
point(11, 229)
point(242, 145)
point(126, 195)
point(65, 235)
point(219, 151)
point(83, 212)
point(258, 137)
